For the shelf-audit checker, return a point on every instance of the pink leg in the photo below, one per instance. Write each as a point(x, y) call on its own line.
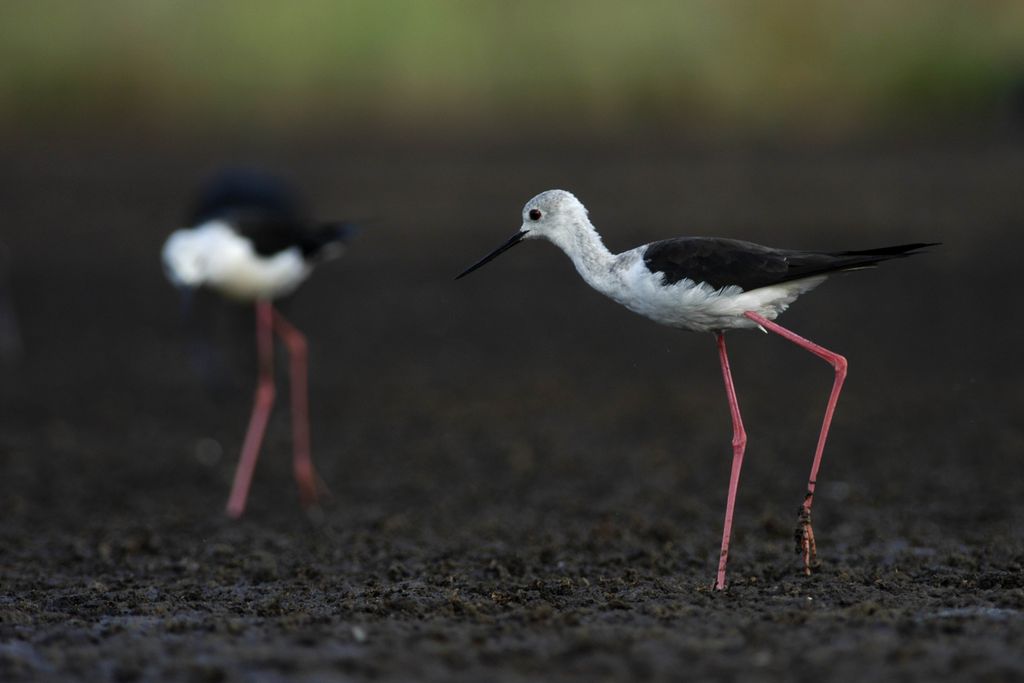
point(305, 475)
point(739, 444)
point(262, 404)
point(804, 531)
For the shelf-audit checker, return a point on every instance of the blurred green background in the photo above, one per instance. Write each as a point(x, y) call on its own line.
point(794, 65)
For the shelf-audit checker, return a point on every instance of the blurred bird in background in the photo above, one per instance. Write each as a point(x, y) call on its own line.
point(250, 240)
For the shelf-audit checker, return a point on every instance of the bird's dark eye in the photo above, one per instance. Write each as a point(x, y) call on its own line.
point(535, 214)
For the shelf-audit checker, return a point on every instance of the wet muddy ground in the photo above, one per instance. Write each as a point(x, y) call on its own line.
point(526, 480)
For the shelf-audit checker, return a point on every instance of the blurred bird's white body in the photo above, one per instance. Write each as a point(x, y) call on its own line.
point(214, 255)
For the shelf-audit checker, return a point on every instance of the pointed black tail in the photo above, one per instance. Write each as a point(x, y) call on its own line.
point(866, 258)
point(891, 252)
point(328, 238)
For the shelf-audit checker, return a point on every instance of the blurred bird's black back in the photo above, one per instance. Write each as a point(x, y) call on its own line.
point(239, 193)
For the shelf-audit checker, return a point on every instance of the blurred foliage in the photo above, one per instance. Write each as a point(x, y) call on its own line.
point(603, 63)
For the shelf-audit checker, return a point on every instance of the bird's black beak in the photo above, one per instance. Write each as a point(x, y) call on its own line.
point(516, 239)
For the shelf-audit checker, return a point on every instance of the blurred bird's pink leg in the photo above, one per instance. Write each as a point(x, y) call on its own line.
point(804, 531)
point(262, 404)
point(739, 444)
point(305, 474)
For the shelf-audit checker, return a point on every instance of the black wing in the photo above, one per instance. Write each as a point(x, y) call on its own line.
point(265, 210)
point(270, 236)
point(724, 262)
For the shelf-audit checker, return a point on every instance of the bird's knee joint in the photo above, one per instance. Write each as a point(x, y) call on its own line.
point(840, 364)
point(296, 343)
point(739, 441)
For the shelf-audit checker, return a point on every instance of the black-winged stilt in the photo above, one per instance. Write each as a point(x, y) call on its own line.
point(704, 284)
point(250, 241)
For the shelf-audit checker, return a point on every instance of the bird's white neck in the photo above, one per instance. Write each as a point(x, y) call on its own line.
point(583, 245)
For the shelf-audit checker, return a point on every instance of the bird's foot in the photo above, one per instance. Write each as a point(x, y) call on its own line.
point(308, 482)
point(323, 491)
point(309, 497)
point(313, 491)
point(804, 536)
point(312, 488)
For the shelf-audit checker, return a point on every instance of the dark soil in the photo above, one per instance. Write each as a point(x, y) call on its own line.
point(527, 480)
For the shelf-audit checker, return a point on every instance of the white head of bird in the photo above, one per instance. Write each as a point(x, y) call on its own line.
point(559, 217)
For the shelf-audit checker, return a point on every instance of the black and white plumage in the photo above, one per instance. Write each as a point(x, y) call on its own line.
point(704, 284)
point(250, 240)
